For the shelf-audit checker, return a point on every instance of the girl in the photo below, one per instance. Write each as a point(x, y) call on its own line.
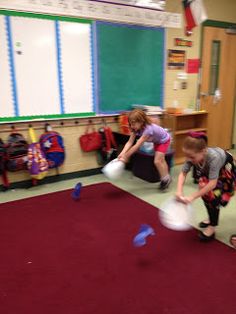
point(215, 171)
point(141, 126)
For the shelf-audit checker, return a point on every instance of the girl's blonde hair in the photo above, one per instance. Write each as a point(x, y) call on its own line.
point(139, 116)
point(195, 144)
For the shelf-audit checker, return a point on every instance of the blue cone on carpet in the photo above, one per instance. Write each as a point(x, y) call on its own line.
point(76, 192)
point(144, 232)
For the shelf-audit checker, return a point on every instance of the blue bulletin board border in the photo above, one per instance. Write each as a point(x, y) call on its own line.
point(12, 65)
point(59, 67)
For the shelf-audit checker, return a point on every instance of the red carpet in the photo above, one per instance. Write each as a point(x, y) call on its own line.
point(59, 256)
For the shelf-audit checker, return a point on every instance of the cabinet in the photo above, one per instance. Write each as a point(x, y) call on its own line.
point(180, 125)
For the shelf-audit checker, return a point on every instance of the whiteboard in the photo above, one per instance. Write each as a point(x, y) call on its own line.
point(35, 59)
point(46, 66)
point(76, 65)
point(6, 93)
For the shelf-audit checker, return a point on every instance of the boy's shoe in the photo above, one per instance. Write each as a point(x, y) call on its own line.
point(165, 184)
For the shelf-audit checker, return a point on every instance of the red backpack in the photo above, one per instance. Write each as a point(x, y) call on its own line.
point(108, 150)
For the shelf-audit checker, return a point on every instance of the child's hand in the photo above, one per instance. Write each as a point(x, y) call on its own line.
point(121, 157)
point(179, 197)
point(185, 199)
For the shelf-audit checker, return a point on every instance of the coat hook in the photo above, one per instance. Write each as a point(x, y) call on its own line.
point(76, 122)
point(47, 127)
point(62, 123)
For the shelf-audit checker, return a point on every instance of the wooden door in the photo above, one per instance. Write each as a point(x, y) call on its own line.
point(218, 74)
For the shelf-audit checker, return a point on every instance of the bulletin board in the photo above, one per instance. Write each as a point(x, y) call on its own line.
point(130, 66)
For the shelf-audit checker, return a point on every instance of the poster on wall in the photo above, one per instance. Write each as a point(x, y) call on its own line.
point(176, 59)
point(193, 66)
point(150, 4)
point(182, 42)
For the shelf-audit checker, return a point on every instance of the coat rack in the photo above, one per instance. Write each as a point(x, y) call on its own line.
point(37, 125)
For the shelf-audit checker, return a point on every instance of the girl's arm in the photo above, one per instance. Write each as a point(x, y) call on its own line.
point(180, 185)
point(207, 188)
point(128, 144)
point(131, 150)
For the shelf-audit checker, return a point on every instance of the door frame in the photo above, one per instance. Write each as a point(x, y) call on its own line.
point(219, 24)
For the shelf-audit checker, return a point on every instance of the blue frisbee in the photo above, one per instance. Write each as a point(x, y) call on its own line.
point(144, 232)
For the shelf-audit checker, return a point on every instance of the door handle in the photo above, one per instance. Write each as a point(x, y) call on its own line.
point(217, 96)
point(204, 94)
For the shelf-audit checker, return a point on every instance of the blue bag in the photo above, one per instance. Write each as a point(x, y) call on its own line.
point(52, 145)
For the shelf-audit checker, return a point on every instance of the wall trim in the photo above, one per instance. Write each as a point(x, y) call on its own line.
point(52, 179)
point(98, 11)
point(219, 24)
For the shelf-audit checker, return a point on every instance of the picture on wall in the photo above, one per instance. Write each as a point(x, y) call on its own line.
point(176, 59)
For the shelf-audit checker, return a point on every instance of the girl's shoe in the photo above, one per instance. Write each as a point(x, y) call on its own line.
point(203, 224)
point(205, 238)
point(165, 184)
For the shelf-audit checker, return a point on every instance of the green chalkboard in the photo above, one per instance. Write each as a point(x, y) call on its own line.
point(130, 66)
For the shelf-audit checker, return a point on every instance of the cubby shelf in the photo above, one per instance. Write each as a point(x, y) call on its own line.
point(193, 129)
point(180, 125)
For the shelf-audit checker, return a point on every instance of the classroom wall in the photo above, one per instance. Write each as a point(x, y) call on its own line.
point(76, 160)
point(221, 10)
point(218, 10)
point(184, 97)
